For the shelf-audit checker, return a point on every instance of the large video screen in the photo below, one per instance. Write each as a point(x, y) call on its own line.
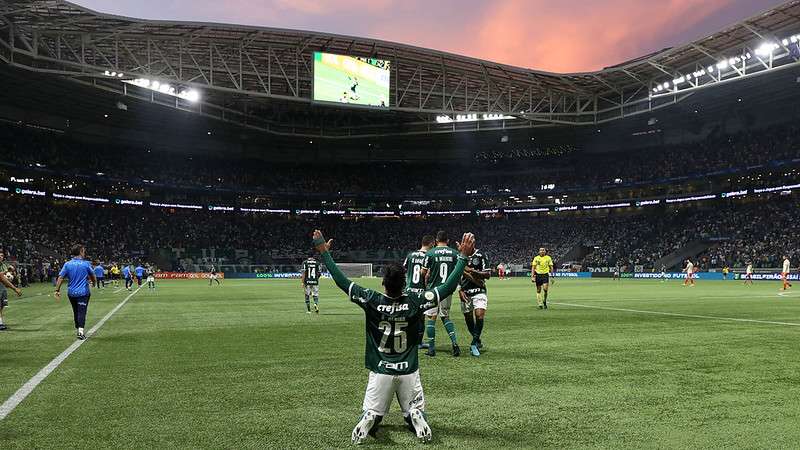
point(351, 80)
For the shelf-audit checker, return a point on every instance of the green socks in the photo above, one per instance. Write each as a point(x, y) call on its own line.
point(430, 327)
point(451, 330)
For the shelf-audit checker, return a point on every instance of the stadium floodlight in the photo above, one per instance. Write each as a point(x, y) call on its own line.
point(191, 95)
point(767, 48)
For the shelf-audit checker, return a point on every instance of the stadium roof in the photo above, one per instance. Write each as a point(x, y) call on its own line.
point(261, 77)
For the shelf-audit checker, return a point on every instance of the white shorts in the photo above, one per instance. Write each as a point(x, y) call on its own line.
point(382, 388)
point(443, 309)
point(151, 279)
point(477, 301)
point(312, 289)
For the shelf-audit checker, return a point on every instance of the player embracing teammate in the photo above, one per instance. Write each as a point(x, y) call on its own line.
point(440, 261)
point(415, 276)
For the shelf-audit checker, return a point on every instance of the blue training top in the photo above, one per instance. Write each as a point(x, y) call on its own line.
point(77, 271)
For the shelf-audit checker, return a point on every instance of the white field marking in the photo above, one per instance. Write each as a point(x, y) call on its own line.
point(690, 316)
point(696, 297)
point(9, 405)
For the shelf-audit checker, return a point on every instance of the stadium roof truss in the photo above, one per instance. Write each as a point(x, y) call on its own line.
point(261, 78)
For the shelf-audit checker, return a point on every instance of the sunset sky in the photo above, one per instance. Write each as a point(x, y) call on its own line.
point(558, 36)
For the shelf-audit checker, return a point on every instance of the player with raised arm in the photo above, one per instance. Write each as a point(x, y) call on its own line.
point(309, 277)
point(748, 274)
point(689, 269)
point(414, 265)
point(473, 297)
point(438, 265)
point(541, 268)
point(5, 283)
point(391, 352)
point(787, 267)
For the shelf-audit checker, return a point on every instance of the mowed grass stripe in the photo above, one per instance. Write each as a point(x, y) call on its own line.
point(243, 366)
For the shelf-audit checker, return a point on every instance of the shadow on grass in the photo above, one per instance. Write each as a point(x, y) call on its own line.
point(387, 436)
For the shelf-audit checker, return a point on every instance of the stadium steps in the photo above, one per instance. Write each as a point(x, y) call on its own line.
point(690, 250)
point(576, 253)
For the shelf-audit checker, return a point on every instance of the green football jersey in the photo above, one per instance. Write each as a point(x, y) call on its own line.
point(414, 263)
point(440, 262)
point(478, 262)
point(391, 328)
point(311, 272)
point(392, 324)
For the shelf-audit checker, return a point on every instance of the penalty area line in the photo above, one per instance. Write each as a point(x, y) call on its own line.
point(22, 393)
point(689, 316)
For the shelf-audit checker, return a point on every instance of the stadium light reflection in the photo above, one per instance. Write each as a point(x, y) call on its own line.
point(765, 50)
point(472, 118)
point(191, 95)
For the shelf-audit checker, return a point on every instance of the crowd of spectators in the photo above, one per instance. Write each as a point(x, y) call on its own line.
point(38, 232)
point(43, 150)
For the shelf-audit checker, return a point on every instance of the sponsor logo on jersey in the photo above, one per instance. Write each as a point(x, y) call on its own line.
point(394, 307)
point(393, 366)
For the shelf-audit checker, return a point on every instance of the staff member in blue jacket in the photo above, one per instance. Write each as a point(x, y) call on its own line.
point(79, 273)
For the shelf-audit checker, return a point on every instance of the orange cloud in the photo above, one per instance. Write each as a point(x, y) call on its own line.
point(552, 35)
point(583, 35)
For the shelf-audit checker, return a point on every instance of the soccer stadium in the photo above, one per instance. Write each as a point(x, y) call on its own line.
point(256, 236)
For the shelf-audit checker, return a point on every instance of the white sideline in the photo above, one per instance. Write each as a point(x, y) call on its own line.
point(691, 316)
point(9, 405)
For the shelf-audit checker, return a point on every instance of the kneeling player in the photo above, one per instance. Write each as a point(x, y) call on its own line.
point(474, 299)
point(541, 266)
point(391, 351)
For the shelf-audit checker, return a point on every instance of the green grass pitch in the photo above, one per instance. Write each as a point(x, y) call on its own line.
point(242, 366)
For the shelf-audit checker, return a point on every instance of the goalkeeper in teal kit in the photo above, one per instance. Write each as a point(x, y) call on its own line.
point(392, 321)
